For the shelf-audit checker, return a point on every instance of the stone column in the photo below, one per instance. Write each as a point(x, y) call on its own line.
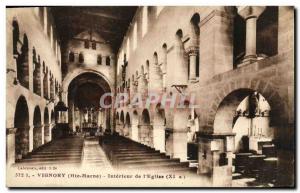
point(215, 157)
point(159, 137)
point(250, 14)
point(180, 144)
point(42, 128)
point(134, 132)
point(30, 138)
point(179, 133)
point(47, 132)
point(10, 146)
point(193, 52)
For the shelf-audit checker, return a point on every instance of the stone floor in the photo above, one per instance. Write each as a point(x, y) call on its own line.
point(93, 155)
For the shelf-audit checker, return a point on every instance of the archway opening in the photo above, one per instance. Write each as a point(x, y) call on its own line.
point(145, 129)
point(251, 118)
point(134, 126)
point(122, 121)
point(89, 107)
point(37, 128)
point(127, 126)
point(21, 123)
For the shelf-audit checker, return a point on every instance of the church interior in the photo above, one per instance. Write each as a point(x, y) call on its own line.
point(238, 62)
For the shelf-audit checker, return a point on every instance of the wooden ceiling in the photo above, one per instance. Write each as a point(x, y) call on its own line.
point(111, 22)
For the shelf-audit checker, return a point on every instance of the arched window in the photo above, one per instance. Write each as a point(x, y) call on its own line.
point(16, 36)
point(107, 61)
point(94, 45)
point(86, 44)
point(147, 68)
point(34, 58)
point(81, 58)
point(71, 57)
point(194, 49)
point(99, 59)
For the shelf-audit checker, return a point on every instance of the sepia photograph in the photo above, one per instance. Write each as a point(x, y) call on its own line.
point(150, 96)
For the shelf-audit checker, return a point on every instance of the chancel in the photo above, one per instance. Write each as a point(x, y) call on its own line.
point(99, 88)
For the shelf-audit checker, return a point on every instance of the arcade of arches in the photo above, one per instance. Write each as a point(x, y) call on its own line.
point(238, 62)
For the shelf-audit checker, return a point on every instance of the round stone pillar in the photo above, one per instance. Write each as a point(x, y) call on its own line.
point(250, 14)
point(193, 52)
point(159, 137)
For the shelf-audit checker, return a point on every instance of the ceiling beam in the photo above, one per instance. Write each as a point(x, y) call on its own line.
point(104, 15)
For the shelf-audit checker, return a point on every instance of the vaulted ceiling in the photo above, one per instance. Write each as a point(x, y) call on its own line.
point(111, 22)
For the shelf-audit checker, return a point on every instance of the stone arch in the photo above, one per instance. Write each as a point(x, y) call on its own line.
point(90, 105)
point(234, 92)
point(195, 29)
point(145, 129)
point(71, 76)
point(21, 123)
point(37, 128)
point(159, 126)
point(46, 126)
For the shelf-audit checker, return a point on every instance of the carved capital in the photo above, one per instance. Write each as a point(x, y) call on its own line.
point(10, 131)
point(193, 50)
point(250, 11)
